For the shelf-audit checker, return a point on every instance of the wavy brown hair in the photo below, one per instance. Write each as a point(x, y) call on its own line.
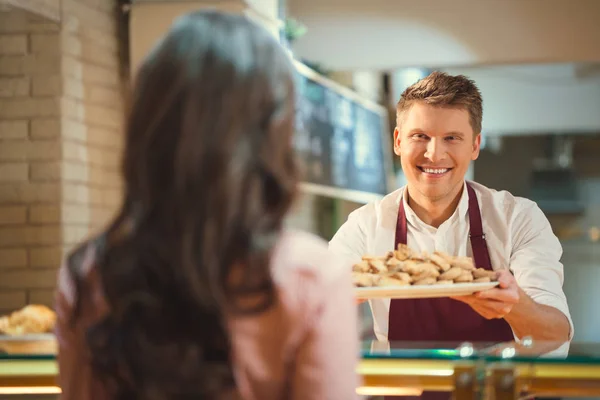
point(209, 176)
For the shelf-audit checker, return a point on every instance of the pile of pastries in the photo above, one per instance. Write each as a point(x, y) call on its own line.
point(31, 319)
point(406, 267)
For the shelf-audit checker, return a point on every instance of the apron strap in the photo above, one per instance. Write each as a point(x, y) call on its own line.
point(481, 253)
point(401, 229)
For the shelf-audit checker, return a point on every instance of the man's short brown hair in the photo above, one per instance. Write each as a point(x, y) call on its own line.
point(444, 90)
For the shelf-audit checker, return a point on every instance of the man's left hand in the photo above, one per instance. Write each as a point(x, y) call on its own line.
point(496, 302)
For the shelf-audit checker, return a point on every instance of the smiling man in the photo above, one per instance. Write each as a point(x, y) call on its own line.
point(436, 137)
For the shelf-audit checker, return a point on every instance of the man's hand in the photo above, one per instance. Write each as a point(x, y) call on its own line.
point(496, 302)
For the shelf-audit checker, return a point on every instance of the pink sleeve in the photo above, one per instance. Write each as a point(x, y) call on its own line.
point(73, 375)
point(328, 355)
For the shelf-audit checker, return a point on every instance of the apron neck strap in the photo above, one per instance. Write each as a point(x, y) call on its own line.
point(477, 237)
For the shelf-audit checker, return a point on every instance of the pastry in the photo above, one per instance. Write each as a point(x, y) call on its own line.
point(377, 266)
point(361, 279)
point(362, 266)
point(403, 252)
point(440, 261)
point(452, 273)
point(445, 256)
point(389, 281)
point(427, 272)
point(401, 275)
point(416, 267)
point(466, 276)
point(483, 273)
point(31, 319)
point(420, 257)
point(406, 267)
point(464, 263)
point(393, 262)
point(425, 281)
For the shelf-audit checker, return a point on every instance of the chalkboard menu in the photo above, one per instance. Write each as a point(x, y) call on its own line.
point(341, 140)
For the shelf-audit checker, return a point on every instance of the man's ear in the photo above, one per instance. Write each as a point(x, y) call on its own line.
point(397, 141)
point(476, 147)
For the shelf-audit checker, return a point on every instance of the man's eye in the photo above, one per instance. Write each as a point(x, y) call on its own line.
point(420, 136)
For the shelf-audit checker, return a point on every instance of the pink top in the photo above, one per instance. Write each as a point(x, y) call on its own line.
point(304, 347)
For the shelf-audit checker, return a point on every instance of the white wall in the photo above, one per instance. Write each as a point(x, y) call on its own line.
point(387, 34)
point(537, 99)
point(528, 99)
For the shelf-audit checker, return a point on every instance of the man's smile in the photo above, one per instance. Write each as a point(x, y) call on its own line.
point(435, 172)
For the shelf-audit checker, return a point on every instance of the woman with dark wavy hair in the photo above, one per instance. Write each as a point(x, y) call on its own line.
point(195, 291)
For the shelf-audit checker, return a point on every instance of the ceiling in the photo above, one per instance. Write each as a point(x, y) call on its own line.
point(387, 34)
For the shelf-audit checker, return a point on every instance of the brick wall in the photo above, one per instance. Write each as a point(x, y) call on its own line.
point(60, 140)
point(92, 116)
point(30, 237)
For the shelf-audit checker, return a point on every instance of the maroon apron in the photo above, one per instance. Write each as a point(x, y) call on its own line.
point(445, 319)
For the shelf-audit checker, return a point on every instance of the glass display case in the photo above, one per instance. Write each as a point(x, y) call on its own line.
point(480, 370)
point(28, 366)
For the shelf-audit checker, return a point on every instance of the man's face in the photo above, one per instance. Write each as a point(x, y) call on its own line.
point(436, 146)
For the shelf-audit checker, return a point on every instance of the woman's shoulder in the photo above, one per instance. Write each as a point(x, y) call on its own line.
point(302, 257)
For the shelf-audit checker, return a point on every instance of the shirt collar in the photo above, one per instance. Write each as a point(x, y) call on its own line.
point(411, 217)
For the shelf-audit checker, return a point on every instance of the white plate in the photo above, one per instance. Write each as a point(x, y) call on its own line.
point(34, 344)
point(421, 292)
point(35, 337)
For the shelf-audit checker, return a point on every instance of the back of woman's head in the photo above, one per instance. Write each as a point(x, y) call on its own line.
point(208, 178)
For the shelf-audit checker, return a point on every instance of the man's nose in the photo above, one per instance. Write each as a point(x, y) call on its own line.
point(436, 151)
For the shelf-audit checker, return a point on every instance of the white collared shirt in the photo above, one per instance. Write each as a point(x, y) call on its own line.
point(518, 236)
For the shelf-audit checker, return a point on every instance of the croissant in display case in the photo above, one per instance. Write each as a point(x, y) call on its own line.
point(404, 267)
point(31, 319)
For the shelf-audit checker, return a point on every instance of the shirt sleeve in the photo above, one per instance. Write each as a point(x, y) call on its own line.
point(349, 242)
point(535, 260)
point(328, 355)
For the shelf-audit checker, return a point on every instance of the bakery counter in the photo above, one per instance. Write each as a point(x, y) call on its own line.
point(487, 370)
point(484, 370)
point(28, 367)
